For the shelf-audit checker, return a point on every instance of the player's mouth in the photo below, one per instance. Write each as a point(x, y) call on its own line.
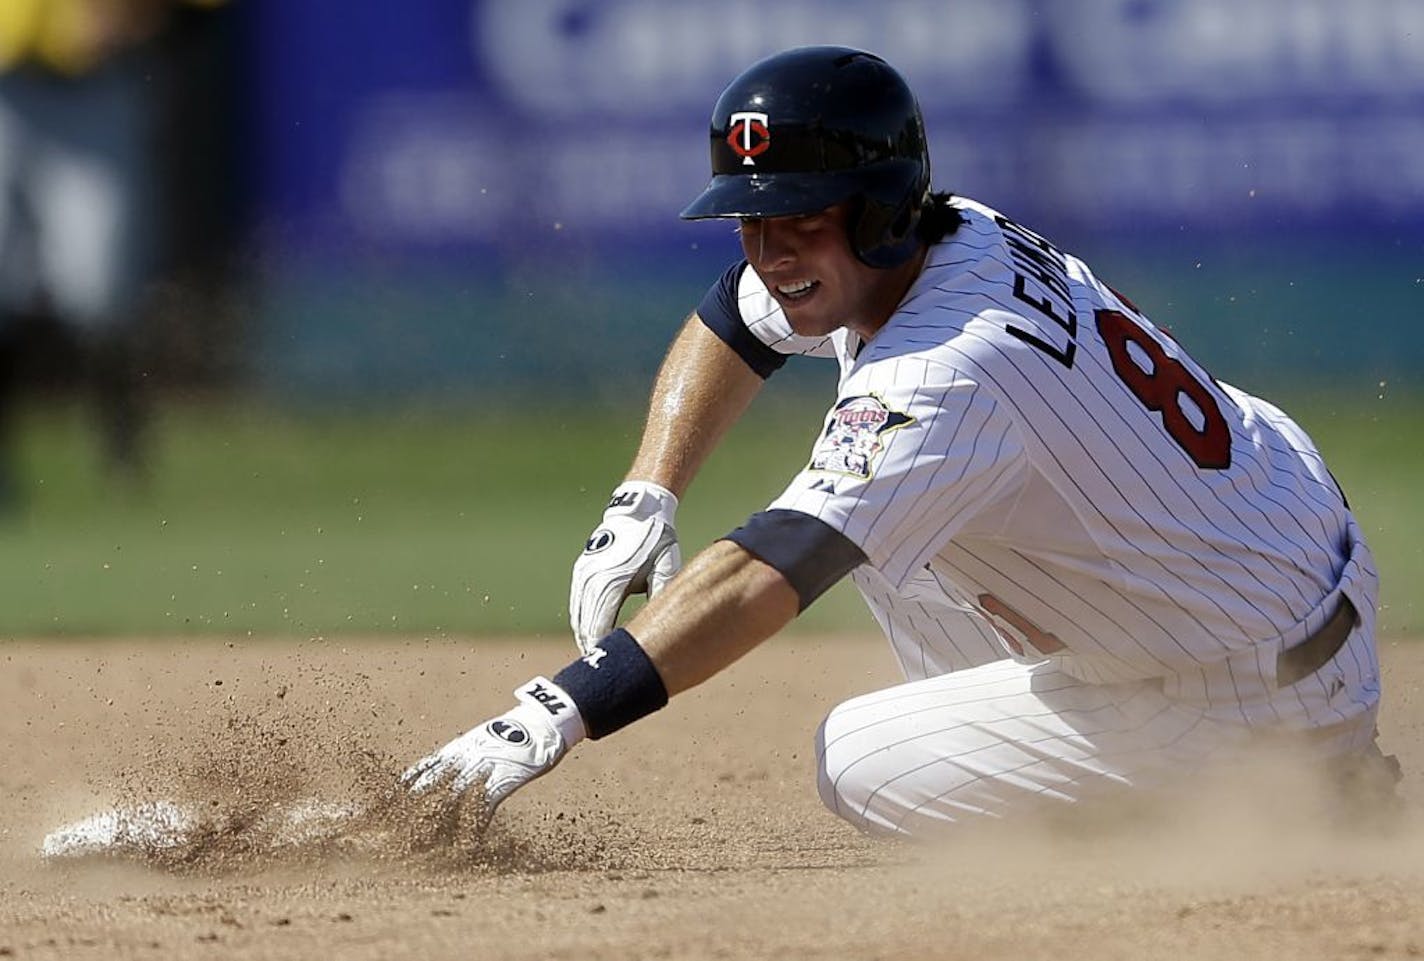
point(797, 290)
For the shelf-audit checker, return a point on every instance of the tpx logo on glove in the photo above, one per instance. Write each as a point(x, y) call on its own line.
point(508, 731)
point(547, 698)
point(599, 540)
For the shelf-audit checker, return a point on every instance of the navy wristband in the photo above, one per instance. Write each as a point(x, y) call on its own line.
point(613, 685)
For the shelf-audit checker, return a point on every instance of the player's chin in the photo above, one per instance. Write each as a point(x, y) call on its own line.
point(808, 316)
point(811, 325)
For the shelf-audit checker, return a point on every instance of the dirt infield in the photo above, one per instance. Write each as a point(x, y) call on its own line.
point(694, 835)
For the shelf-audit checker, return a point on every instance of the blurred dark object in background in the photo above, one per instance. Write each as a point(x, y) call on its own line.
point(114, 119)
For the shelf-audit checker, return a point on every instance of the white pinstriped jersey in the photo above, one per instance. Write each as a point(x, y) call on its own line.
point(1020, 445)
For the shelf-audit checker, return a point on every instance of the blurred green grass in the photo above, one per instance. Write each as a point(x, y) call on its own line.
point(460, 521)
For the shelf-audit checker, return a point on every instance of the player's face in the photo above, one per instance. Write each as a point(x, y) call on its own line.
point(808, 266)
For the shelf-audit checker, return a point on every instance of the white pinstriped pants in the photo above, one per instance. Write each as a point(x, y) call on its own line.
point(1000, 739)
point(1004, 737)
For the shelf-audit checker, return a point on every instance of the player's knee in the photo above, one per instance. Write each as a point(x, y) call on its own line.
point(878, 773)
point(839, 779)
point(827, 771)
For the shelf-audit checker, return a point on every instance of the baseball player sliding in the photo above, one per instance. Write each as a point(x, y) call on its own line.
point(1099, 568)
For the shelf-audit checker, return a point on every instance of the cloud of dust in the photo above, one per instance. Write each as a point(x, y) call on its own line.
point(280, 777)
point(1273, 817)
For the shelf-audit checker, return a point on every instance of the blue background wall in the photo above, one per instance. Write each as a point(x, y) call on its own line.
point(466, 197)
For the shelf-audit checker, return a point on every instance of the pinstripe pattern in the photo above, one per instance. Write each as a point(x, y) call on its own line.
point(1029, 471)
point(1008, 738)
point(1021, 737)
point(931, 630)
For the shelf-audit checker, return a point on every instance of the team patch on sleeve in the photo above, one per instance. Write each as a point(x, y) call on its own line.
point(853, 439)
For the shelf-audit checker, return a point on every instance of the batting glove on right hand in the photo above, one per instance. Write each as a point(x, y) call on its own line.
point(633, 551)
point(504, 753)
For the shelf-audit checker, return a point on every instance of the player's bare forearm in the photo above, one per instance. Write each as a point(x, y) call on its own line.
point(724, 603)
point(701, 390)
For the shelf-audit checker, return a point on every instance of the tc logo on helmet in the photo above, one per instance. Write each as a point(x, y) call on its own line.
point(749, 136)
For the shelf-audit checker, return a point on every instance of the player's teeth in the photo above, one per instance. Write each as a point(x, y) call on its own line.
point(796, 288)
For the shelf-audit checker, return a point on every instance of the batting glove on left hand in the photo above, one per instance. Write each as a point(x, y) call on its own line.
point(634, 550)
point(504, 753)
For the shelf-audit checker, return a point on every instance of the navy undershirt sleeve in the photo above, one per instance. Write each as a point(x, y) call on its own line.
point(809, 553)
point(719, 311)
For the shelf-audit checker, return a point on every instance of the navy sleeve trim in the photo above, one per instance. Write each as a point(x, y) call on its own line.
point(811, 554)
point(719, 311)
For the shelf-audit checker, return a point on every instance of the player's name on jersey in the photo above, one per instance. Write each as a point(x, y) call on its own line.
point(1039, 264)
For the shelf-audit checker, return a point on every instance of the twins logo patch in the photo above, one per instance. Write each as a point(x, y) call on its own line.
point(853, 439)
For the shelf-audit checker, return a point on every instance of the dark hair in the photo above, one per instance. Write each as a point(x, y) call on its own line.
point(939, 218)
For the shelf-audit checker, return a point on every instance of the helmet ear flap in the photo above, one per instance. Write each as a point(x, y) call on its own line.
point(884, 235)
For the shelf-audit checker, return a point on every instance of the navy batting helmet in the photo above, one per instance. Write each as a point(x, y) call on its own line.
point(815, 126)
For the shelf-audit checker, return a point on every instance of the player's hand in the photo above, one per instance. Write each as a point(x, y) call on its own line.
point(633, 551)
point(498, 757)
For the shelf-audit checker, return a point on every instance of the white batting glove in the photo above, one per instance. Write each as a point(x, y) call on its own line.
point(633, 551)
point(504, 753)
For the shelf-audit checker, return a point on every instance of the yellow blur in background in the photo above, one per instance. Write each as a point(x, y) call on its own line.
point(72, 37)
